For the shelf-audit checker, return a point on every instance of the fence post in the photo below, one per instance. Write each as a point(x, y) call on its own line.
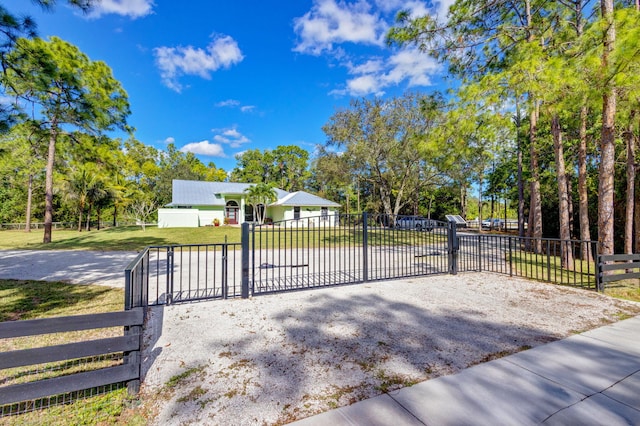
point(549, 260)
point(365, 242)
point(479, 252)
point(245, 260)
point(599, 286)
point(452, 243)
point(170, 269)
point(225, 266)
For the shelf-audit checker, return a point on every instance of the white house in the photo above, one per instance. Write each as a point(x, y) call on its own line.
point(198, 203)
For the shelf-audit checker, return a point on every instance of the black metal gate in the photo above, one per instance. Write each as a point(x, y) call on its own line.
point(344, 249)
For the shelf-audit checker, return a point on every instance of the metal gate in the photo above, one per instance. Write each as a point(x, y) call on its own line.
point(344, 249)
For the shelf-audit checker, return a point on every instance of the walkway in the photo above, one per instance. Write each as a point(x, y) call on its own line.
point(588, 379)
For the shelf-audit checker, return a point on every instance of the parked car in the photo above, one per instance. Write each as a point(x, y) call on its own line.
point(493, 223)
point(418, 223)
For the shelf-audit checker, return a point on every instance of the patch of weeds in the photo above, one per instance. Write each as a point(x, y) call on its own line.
point(195, 394)
point(243, 363)
point(366, 365)
point(392, 382)
point(179, 378)
point(231, 393)
point(227, 354)
point(622, 315)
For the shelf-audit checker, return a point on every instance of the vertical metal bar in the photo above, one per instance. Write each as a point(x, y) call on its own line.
point(365, 254)
point(510, 257)
point(244, 239)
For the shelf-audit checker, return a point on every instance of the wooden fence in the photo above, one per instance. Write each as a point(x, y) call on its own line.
point(617, 267)
point(128, 344)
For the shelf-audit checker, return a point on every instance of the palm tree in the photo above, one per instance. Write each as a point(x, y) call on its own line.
point(260, 194)
point(77, 189)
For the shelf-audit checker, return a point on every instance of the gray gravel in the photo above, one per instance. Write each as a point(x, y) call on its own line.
point(72, 266)
point(274, 359)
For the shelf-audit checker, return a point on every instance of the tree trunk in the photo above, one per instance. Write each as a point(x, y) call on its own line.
point(80, 210)
point(88, 222)
point(480, 203)
point(566, 254)
point(607, 141)
point(583, 196)
point(463, 200)
point(48, 185)
point(520, 179)
point(631, 176)
point(535, 213)
point(570, 201)
point(27, 227)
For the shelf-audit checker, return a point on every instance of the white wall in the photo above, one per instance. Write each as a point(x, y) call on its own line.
point(306, 212)
point(178, 218)
point(188, 218)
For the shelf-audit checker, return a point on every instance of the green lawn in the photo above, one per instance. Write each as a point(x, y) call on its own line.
point(131, 238)
point(22, 300)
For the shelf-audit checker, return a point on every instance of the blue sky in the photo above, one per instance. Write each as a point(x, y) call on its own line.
point(219, 77)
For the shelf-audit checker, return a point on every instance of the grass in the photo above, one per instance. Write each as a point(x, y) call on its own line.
point(625, 289)
point(548, 268)
point(21, 300)
point(128, 238)
point(133, 238)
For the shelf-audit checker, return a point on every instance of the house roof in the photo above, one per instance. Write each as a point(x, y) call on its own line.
point(201, 193)
point(301, 198)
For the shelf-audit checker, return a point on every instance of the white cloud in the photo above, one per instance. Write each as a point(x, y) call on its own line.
point(373, 76)
point(169, 140)
point(231, 137)
point(228, 103)
point(329, 22)
point(232, 103)
point(204, 148)
point(173, 62)
point(131, 8)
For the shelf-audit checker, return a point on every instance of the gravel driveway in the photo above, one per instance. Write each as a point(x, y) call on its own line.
point(274, 359)
point(72, 266)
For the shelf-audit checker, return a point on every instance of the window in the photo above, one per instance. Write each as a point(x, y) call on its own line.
point(324, 213)
point(296, 213)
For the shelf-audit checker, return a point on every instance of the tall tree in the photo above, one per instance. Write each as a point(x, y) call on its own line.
point(608, 136)
point(382, 141)
point(70, 90)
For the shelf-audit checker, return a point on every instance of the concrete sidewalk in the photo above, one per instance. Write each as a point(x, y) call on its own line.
point(588, 379)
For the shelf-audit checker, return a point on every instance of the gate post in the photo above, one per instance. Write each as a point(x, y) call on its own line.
point(452, 245)
point(245, 260)
point(365, 254)
point(170, 264)
point(225, 269)
point(599, 285)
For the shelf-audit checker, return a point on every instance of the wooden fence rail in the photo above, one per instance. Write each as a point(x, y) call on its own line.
point(128, 344)
point(610, 267)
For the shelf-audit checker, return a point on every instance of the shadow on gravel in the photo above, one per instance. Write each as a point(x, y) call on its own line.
point(338, 350)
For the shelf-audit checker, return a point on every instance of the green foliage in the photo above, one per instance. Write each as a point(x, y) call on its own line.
point(259, 196)
point(381, 144)
point(285, 167)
